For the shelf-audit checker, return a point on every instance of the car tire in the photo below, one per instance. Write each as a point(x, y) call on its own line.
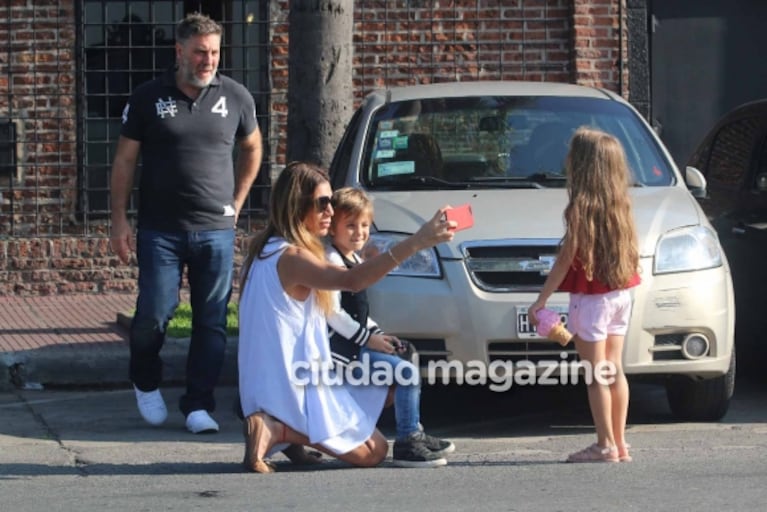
point(693, 399)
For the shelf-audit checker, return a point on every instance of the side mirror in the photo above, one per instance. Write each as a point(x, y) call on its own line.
point(695, 182)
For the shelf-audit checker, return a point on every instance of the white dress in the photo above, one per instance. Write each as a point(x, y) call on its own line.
point(278, 331)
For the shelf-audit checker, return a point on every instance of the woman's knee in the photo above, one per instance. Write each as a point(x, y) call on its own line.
point(369, 454)
point(378, 449)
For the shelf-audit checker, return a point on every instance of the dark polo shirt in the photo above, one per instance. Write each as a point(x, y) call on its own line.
point(187, 174)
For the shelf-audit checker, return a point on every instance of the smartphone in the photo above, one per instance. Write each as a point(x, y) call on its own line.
point(462, 215)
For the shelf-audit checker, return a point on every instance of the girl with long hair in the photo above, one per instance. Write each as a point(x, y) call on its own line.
point(597, 263)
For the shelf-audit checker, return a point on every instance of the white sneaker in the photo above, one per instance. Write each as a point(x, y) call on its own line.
point(200, 422)
point(151, 406)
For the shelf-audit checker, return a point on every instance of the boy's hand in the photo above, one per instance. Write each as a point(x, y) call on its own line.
point(383, 343)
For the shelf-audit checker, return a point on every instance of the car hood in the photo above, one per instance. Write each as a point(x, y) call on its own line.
point(529, 214)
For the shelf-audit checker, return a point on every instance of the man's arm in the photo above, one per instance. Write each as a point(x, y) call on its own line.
point(246, 168)
point(123, 171)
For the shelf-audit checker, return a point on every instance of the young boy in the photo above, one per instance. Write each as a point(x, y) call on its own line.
point(355, 336)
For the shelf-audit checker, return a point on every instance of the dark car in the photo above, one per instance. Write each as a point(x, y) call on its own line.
point(733, 158)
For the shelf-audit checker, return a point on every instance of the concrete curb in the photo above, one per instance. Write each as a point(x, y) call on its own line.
point(103, 366)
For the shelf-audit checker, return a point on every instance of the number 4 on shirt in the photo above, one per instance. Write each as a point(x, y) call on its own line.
point(220, 107)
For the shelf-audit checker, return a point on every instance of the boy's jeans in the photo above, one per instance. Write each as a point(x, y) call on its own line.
point(208, 256)
point(407, 398)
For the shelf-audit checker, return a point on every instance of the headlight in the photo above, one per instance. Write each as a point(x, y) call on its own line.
point(685, 249)
point(424, 263)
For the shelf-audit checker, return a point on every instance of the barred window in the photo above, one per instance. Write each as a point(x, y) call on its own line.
point(126, 43)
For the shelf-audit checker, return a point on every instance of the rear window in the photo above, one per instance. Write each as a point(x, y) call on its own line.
point(476, 141)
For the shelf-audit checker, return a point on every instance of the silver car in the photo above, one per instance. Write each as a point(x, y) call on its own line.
point(500, 147)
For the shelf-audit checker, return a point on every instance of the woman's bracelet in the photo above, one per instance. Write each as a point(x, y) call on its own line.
point(391, 255)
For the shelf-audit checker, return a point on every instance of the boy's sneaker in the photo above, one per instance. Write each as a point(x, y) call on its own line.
point(436, 445)
point(151, 406)
point(413, 453)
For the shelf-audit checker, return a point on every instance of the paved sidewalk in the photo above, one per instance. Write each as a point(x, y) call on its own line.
point(75, 340)
point(28, 323)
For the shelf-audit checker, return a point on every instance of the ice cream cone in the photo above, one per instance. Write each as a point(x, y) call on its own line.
point(560, 334)
point(550, 326)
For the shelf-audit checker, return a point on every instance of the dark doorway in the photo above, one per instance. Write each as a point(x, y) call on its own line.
point(707, 57)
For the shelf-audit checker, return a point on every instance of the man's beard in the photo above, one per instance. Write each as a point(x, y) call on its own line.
point(187, 73)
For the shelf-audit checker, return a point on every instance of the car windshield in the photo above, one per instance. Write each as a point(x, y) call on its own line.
point(492, 142)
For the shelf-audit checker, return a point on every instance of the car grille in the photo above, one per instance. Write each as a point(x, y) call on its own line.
point(534, 351)
point(509, 265)
point(429, 350)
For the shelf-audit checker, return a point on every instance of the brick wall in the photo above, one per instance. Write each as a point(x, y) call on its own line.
point(396, 42)
point(69, 265)
point(599, 44)
point(38, 73)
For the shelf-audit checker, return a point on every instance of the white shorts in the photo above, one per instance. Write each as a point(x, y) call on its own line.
point(592, 317)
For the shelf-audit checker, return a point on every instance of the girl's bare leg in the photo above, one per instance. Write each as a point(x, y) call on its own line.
point(619, 393)
point(600, 401)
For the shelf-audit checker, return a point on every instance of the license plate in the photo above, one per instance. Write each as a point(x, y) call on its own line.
point(526, 330)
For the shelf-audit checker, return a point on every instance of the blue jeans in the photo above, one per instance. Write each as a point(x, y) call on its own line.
point(407, 399)
point(208, 256)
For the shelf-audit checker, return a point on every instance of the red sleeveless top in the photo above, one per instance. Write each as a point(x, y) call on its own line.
point(575, 281)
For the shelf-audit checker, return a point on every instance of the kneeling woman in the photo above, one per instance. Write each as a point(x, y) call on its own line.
point(285, 295)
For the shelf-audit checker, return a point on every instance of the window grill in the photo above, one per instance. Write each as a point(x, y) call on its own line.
point(126, 43)
point(7, 147)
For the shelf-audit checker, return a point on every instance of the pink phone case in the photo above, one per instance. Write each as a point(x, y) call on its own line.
point(462, 215)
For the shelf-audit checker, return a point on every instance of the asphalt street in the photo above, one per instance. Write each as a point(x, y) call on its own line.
point(88, 450)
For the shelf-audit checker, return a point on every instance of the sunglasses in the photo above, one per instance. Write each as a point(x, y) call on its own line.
point(322, 203)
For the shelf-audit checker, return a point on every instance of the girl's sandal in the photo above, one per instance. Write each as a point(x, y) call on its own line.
point(623, 453)
point(595, 453)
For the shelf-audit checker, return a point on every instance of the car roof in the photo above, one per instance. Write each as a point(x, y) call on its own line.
point(757, 107)
point(493, 88)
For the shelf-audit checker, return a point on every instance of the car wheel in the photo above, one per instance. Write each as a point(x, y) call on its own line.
point(693, 399)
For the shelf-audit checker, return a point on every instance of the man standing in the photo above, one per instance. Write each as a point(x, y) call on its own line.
point(184, 125)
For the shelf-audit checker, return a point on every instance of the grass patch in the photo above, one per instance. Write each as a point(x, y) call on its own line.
point(180, 325)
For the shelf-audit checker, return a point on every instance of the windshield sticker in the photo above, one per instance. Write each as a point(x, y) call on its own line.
point(386, 125)
point(395, 168)
point(388, 134)
point(400, 142)
point(385, 143)
point(385, 153)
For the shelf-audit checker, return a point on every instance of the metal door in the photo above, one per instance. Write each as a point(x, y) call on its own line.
point(707, 58)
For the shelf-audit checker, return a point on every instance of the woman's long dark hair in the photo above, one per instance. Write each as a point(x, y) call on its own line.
point(292, 198)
